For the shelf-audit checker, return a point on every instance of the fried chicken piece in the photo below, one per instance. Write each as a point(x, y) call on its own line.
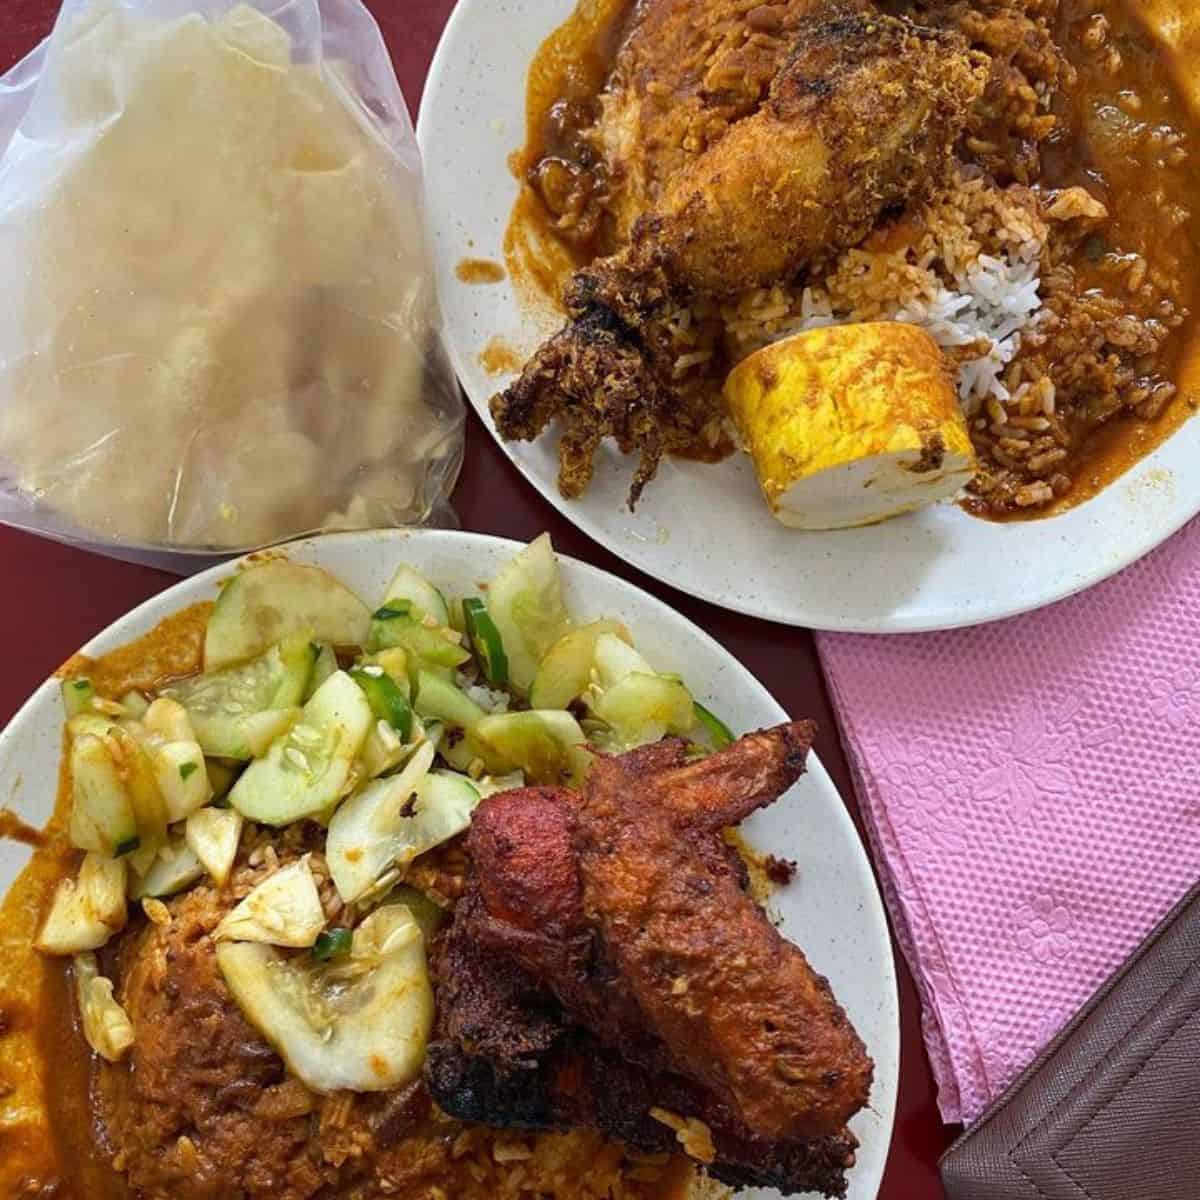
point(555, 882)
point(738, 1006)
point(861, 118)
point(501, 1056)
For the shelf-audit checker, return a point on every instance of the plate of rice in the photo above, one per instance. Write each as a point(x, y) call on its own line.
point(1055, 284)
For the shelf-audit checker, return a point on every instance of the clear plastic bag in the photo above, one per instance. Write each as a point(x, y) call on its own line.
point(220, 328)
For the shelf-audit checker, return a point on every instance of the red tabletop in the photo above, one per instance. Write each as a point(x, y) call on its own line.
point(55, 598)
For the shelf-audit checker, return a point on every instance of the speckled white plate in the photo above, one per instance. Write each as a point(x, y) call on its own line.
point(832, 909)
point(706, 529)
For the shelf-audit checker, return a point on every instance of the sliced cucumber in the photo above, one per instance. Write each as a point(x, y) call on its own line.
point(102, 816)
point(643, 708)
point(363, 833)
point(135, 704)
point(237, 712)
point(564, 673)
point(547, 744)
point(266, 603)
point(106, 1025)
point(213, 834)
point(383, 751)
point(427, 914)
point(325, 664)
point(387, 701)
point(174, 868)
point(222, 775)
point(525, 601)
point(442, 701)
point(719, 734)
point(614, 659)
point(485, 638)
point(182, 778)
point(309, 767)
point(392, 627)
point(425, 600)
point(358, 1023)
point(86, 911)
point(284, 910)
point(136, 768)
point(77, 696)
point(168, 720)
point(394, 662)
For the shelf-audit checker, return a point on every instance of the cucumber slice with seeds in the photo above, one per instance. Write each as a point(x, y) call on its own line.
point(565, 672)
point(309, 768)
point(237, 712)
point(525, 601)
point(424, 599)
point(387, 701)
point(266, 603)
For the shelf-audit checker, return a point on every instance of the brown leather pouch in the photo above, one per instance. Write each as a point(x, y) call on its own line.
point(1111, 1109)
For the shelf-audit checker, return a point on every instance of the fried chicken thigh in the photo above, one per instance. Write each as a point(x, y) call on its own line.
point(859, 119)
point(621, 914)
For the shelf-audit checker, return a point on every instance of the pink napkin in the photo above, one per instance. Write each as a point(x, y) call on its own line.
point(1032, 794)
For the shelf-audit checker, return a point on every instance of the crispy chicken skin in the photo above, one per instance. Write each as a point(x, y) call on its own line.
point(860, 119)
point(626, 906)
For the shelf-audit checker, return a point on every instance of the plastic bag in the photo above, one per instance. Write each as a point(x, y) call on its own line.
point(220, 328)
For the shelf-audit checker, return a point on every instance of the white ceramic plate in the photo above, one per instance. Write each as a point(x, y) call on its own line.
point(706, 529)
point(832, 909)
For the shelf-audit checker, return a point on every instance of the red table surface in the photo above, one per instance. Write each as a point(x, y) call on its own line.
point(55, 598)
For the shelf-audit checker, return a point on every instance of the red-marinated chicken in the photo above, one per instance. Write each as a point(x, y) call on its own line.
point(625, 906)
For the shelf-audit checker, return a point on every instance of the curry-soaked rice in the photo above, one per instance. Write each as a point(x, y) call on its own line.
point(1056, 263)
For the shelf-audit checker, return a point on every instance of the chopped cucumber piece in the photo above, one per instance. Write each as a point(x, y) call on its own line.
point(490, 785)
point(423, 598)
point(266, 603)
point(102, 816)
point(106, 1025)
point(485, 637)
point(643, 708)
point(387, 701)
point(383, 750)
point(547, 744)
point(213, 834)
point(427, 914)
point(364, 834)
point(77, 696)
point(442, 701)
point(324, 665)
point(222, 775)
point(174, 868)
point(333, 943)
point(237, 712)
point(565, 672)
point(167, 719)
point(358, 1024)
point(136, 769)
point(719, 734)
point(614, 659)
point(309, 767)
point(392, 627)
point(182, 778)
point(526, 603)
point(284, 910)
point(135, 704)
point(394, 662)
point(86, 911)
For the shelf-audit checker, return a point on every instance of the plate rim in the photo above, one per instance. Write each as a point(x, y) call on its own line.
point(945, 615)
point(184, 591)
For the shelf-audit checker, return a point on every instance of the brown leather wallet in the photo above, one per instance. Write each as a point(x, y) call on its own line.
point(1111, 1109)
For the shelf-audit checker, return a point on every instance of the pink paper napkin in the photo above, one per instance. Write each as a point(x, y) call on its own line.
point(1032, 792)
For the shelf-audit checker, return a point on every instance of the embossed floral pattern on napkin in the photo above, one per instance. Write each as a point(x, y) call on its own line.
point(1032, 793)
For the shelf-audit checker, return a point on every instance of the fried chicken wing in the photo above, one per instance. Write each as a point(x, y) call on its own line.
point(859, 119)
point(738, 1006)
point(624, 906)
